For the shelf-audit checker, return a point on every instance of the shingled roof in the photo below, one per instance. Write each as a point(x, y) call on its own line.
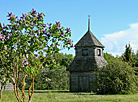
point(89, 40)
point(86, 64)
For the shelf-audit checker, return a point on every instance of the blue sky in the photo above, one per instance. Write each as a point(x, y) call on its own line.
point(113, 22)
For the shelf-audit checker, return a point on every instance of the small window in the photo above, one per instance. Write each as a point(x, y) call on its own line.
point(84, 52)
point(99, 52)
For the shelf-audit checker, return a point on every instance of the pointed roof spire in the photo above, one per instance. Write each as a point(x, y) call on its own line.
point(88, 22)
point(89, 39)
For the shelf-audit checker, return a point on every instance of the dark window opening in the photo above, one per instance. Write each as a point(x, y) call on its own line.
point(99, 52)
point(84, 52)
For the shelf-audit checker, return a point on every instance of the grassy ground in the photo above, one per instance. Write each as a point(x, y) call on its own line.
point(66, 96)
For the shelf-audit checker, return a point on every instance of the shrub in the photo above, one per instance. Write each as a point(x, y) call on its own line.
point(117, 77)
point(59, 79)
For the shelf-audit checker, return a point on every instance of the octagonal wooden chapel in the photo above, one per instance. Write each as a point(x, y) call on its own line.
point(88, 58)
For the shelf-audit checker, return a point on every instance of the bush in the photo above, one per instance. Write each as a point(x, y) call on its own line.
point(59, 79)
point(117, 77)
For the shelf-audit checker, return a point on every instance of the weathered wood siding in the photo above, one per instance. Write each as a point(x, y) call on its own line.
point(81, 81)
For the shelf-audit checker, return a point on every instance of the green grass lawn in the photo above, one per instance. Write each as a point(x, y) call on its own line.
point(66, 96)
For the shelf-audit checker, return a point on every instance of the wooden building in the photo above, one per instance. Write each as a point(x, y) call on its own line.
point(88, 58)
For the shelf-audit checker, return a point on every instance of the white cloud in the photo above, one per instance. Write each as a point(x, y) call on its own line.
point(115, 43)
point(116, 54)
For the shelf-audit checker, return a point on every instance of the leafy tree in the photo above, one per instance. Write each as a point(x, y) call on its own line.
point(25, 44)
point(3, 75)
point(59, 77)
point(108, 57)
point(134, 61)
point(128, 53)
point(130, 57)
point(63, 59)
point(117, 77)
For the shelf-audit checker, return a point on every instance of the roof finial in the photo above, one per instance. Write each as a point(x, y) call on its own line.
point(88, 22)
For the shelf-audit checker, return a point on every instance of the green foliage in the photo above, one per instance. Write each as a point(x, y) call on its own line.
point(59, 76)
point(109, 57)
point(63, 59)
point(130, 57)
point(25, 44)
point(59, 79)
point(3, 78)
point(134, 61)
point(128, 53)
point(117, 77)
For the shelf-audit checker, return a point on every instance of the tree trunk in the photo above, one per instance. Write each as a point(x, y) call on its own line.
point(14, 84)
point(29, 99)
point(23, 94)
point(31, 86)
point(18, 98)
point(1, 93)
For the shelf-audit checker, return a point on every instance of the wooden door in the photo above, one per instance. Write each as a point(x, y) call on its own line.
point(83, 83)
